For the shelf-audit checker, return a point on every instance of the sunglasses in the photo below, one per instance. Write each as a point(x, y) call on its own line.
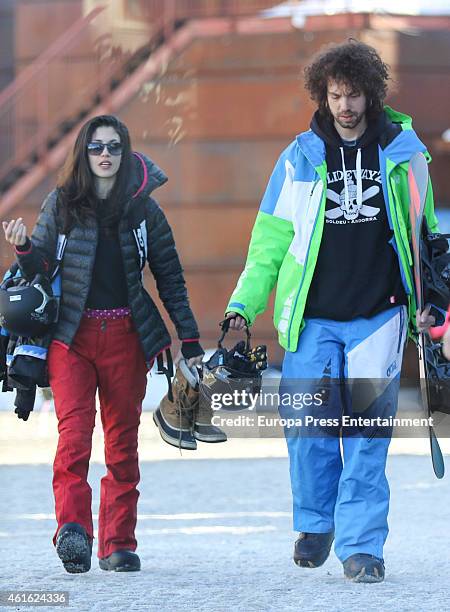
point(97, 148)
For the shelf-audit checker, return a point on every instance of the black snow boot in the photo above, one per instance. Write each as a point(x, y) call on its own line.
point(121, 561)
point(312, 549)
point(74, 548)
point(364, 568)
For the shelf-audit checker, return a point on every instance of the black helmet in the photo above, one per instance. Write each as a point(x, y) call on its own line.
point(27, 308)
point(236, 370)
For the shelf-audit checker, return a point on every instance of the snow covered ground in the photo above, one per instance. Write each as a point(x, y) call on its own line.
point(215, 535)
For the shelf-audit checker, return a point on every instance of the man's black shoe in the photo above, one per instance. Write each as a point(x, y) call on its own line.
point(312, 549)
point(74, 548)
point(364, 568)
point(121, 561)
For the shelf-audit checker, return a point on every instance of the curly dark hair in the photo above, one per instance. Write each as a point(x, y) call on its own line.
point(354, 63)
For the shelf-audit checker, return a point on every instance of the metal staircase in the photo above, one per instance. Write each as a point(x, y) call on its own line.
point(116, 81)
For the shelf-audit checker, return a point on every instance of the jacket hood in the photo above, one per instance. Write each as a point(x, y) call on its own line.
point(145, 176)
point(324, 128)
point(397, 138)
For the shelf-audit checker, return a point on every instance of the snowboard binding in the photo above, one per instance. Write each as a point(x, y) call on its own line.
point(435, 264)
point(236, 370)
point(240, 360)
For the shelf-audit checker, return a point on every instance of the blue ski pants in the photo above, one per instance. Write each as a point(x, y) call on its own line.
point(337, 476)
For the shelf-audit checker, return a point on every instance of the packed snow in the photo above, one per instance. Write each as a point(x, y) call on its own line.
point(215, 535)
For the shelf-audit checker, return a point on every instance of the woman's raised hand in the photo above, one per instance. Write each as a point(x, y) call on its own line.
point(15, 231)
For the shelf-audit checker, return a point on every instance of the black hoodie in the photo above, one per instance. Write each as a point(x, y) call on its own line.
point(357, 271)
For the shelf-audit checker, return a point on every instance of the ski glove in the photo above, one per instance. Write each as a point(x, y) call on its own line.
point(24, 402)
point(191, 349)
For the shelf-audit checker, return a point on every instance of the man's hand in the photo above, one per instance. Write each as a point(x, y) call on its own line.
point(15, 232)
point(237, 322)
point(446, 344)
point(424, 320)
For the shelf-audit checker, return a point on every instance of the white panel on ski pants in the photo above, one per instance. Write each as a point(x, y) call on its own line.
point(355, 366)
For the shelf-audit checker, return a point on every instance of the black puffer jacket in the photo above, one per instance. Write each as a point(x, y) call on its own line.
point(143, 215)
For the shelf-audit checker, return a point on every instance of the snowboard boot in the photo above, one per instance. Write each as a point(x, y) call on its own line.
point(175, 419)
point(364, 568)
point(74, 548)
point(312, 549)
point(121, 561)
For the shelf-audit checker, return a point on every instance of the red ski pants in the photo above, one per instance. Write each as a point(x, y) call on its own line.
point(105, 355)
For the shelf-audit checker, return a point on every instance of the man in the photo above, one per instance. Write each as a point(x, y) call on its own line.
point(332, 231)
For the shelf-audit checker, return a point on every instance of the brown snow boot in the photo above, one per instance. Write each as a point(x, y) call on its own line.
point(175, 417)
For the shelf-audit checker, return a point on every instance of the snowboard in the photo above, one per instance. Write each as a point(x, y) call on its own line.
point(418, 187)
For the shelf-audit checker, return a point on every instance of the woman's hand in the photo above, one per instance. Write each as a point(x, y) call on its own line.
point(193, 361)
point(192, 352)
point(15, 232)
point(237, 322)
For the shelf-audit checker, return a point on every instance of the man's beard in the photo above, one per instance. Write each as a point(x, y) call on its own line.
point(351, 122)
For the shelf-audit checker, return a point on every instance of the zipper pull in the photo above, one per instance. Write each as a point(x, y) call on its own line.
point(103, 325)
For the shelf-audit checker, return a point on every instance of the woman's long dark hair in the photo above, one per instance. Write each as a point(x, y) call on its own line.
point(77, 197)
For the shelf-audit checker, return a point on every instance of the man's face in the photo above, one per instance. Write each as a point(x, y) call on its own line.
point(347, 106)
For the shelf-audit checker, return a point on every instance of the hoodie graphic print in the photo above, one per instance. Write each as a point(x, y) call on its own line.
point(357, 272)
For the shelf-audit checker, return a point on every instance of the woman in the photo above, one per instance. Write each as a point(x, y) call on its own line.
point(109, 330)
